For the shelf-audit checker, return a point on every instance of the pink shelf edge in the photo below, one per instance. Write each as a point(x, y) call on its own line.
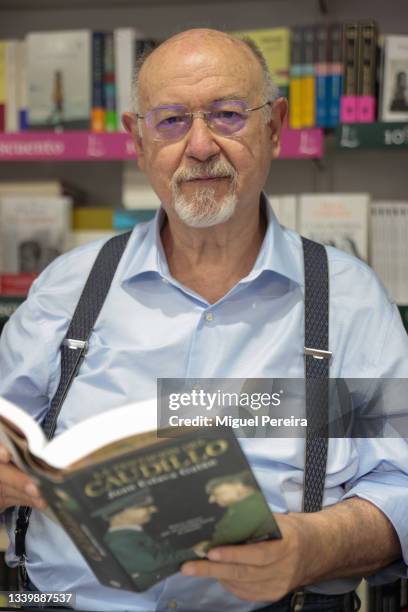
point(87, 146)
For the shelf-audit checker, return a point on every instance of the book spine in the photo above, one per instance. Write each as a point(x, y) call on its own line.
point(322, 76)
point(367, 72)
point(98, 102)
point(335, 76)
point(11, 87)
point(308, 78)
point(2, 86)
point(111, 119)
point(125, 63)
point(348, 103)
point(295, 93)
point(22, 98)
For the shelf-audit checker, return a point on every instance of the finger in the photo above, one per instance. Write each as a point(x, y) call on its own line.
point(224, 571)
point(5, 456)
point(19, 500)
point(258, 554)
point(11, 476)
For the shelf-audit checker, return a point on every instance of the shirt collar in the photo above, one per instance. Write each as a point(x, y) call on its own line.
point(280, 251)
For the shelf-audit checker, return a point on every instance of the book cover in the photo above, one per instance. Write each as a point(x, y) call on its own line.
point(59, 79)
point(33, 231)
point(274, 43)
point(336, 219)
point(394, 88)
point(123, 491)
point(98, 93)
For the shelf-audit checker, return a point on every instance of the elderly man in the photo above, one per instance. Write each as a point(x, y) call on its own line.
point(214, 287)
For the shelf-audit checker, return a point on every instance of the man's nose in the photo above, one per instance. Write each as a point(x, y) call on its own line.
point(201, 144)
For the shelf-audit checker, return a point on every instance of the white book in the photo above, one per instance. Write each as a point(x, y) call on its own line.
point(389, 251)
point(137, 192)
point(12, 120)
point(33, 231)
point(124, 44)
point(59, 79)
point(394, 86)
point(336, 219)
point(285, 209)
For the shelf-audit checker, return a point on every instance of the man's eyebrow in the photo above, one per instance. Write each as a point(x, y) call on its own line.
point(232, 96)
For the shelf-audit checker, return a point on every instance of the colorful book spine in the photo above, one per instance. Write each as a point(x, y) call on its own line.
point(348, 103)
point(21, 86)
point(322, 80)
point(124, 40)
point(11, 86)
point(295, 88)
point(98, 101)
point(335, 74)
point(111, 118)
point(2, 86)
point(308, 78)
point(366, 108)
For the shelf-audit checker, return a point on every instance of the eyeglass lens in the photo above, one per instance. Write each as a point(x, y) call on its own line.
point(225, 117)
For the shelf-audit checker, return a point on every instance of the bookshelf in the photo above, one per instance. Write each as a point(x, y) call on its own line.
point(384, 136)
point(88, 146)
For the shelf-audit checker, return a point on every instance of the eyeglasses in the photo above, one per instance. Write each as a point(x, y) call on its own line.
point(225, 117)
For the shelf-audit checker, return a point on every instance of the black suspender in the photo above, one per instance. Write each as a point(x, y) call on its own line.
point(73, 351)
point(317, 356)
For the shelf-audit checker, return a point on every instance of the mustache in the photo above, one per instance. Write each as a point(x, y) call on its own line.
point(211, 169)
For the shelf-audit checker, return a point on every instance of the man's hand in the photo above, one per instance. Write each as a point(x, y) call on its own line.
point(351, 538)
point(264, 571)
point(16, 488)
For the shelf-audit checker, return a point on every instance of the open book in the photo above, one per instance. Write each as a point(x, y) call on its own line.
point(138, 503)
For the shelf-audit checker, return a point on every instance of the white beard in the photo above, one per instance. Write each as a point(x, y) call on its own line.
point(203, 209)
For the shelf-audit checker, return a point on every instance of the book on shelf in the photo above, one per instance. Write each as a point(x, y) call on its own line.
point(137, 502)
point(39, 188)
point(274, 43)
point(98, 109)
point(336, 219)
point(389, 246)
point(394, 86)
point(335, 71)
point(8, 306)
point(59, 79)
point(348, 101)
point(33, 231)
point(367, 72)
point(285, 209)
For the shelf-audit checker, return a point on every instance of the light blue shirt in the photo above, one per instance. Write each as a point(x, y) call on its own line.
point(152, 326)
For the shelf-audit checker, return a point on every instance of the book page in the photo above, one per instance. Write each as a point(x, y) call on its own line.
point(18, 425)
point(98, 431)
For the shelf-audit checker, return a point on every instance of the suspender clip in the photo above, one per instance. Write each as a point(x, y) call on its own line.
point(318, 353)
point(75, 344)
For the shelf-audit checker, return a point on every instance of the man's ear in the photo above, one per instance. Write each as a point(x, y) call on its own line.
point(130, 124)
point(279, 113)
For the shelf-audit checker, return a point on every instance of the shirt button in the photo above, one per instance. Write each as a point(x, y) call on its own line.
point(172, 605)
point(209, 316)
